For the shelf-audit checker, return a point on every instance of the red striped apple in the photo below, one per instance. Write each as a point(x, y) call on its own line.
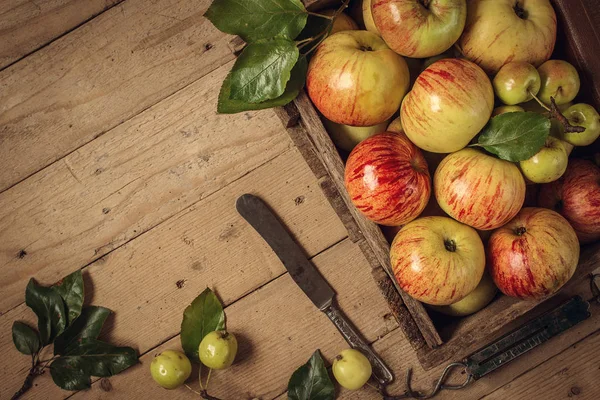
point(501, 31)
point(451, 101)
point(533, 255)
point(478, 189)
point(437, 260)
point(577, 197)
point(387, 179)
point(419, 28)
point(355, 79)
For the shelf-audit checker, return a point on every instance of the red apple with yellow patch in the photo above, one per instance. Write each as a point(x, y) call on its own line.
point(533, 255)
point(478, 189)
point(437, 260)
point(387, 179)
point(450, 102)
point(355, 79)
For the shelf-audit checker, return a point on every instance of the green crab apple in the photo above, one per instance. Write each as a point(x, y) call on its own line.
point(506, 109)
point(548, 164)
point(450, 102)
point(501, 31)
point(480, 297)
point(559, 80)
point(351, 369)
point(217, 349)
point(586, 116)
point(355, 79)
point(437, 260)
point(346, 137)
point(170, 369)
point(516, 82)
point(419, 28)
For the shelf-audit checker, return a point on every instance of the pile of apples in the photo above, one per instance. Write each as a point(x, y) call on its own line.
point(477, 54)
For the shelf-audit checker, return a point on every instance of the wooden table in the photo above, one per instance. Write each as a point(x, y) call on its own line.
point(114, 160)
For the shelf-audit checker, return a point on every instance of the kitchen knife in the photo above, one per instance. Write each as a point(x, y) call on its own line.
point(304, 273)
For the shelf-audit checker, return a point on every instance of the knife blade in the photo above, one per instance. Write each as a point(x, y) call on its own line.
point(306, 276)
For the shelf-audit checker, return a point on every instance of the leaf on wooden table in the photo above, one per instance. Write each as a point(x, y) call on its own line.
point(90, 357)
point(262, 71)
point(258, 19)
point(70, 288)
point(227, 105)
point(25, 338)
point(87, 326)
point(203, 316)
point(515, 136)
point(49, 307)
point(311, 381)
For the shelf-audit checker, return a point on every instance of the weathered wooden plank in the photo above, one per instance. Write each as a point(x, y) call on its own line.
point(278, 328)
point(327, 155)
point(127, 181)
point(25, 26)
point(570, 374)
point(208, 244)
point(89, 81)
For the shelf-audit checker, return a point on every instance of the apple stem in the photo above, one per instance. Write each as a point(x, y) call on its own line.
point(330, 17)
point(563, 120)
point(539, 102)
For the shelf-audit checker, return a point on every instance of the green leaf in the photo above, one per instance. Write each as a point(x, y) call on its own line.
point(262, 71)
point(25, 338)
point(87, 326)
point(70, 288)
point(203, 316)
point(49, 307)
point(311, 381)
point(258, 19)
point(90, 357)
point(515, 136)
point(292, 89)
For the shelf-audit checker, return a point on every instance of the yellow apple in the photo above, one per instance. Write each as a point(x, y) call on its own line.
point(368, 17)
point(480, 297)
point(395, 125)
point(419, 28)
point(355, 79)
point(500, 31)
point(450, 102)
point(346, 137)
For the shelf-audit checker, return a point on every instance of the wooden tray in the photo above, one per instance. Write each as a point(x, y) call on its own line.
point(442, 339)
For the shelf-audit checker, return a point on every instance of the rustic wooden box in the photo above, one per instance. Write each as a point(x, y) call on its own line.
point(442, 339)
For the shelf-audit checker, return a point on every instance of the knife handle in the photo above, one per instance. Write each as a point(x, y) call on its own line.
point(381, 371)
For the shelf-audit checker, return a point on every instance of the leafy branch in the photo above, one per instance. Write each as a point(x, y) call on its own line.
point(73, 329)
point(271, 70)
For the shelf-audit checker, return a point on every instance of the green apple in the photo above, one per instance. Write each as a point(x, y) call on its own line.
point(351, 369)
point(506, 109)
point(586, 116)
point(170, 369)
point(419, 28)
point(346, 137)
point(516, 82)
point(559, 80)
point(217, 349)
point(549, 164)
point(480, 297)
point(557, 130)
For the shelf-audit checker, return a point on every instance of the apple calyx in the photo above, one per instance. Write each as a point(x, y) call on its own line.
point(520, 11)
point(425, 3)
point(450, 245)
point(520, 231)
point(366, 48)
